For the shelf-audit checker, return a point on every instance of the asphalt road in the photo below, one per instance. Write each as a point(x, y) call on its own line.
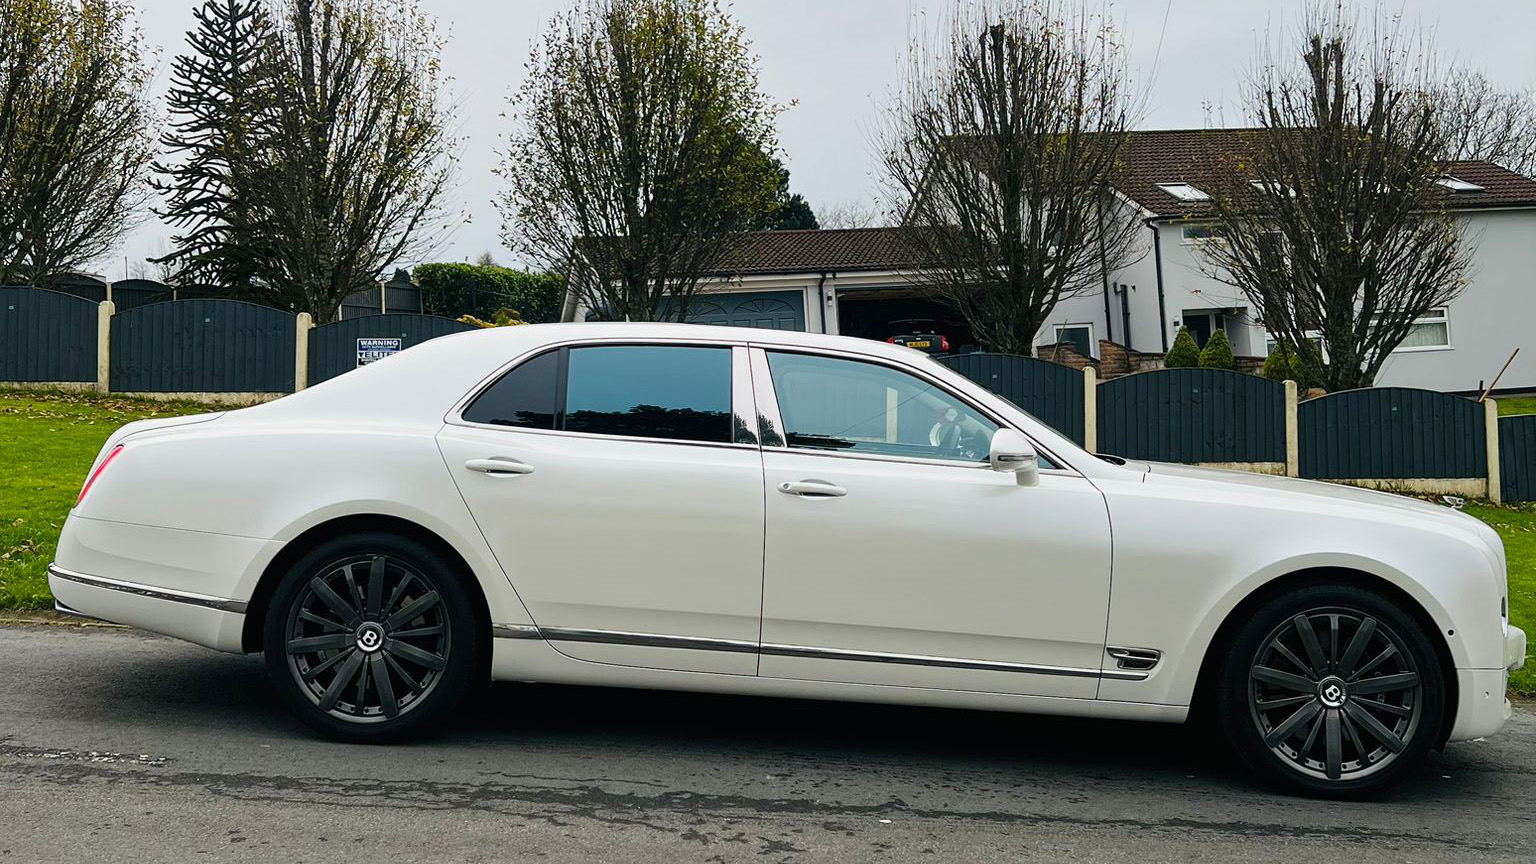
point(124, 747)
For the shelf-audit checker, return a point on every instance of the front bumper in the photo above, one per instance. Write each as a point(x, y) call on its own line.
point(1483, 706)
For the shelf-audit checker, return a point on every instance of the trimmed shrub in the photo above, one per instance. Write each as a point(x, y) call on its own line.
point(1305, 366)
point(479, 290)
point(1184, 354)
point(1275, 367)
point(1217, 353)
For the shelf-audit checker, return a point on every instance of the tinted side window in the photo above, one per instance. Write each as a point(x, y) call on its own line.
point(832, 404)
point(525, 396)
point(650, 391)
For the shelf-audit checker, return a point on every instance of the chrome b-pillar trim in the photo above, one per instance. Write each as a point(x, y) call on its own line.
point(236, 606)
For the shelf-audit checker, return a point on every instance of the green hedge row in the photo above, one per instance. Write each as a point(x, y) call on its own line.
point(452, 289)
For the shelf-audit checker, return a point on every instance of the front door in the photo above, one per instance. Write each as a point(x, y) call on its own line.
point(617, 489)
point(895, 555)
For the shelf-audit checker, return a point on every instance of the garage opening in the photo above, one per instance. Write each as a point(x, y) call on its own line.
point(889, 312)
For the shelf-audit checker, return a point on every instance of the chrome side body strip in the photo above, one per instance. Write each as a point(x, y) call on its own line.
point(220, 604)
point(515, 631)
point(700, 643)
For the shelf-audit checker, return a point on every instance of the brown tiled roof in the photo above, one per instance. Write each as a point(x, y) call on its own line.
point(1200, 156)
point(840, 250)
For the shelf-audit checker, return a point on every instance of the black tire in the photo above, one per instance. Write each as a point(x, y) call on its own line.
point(370, 605)
point(1345, 717)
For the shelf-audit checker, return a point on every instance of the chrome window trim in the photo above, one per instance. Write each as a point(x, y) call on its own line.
point(455, 416)
point(186, 597)
point(775, 649)
point(760, 365)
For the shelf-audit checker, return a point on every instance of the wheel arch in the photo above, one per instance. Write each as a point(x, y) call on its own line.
point(266, 586)
point(1202, 704)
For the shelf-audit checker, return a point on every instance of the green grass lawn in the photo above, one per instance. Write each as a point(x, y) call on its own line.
point(48, 440)
point(47, 443)
point(1521, 405)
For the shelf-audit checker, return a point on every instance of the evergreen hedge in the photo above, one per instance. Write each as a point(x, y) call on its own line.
point(454, 289)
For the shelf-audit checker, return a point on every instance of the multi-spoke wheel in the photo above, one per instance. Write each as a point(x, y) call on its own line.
point(371, 637)
point(1332, 690)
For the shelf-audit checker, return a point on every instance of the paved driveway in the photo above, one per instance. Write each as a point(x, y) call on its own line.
point(124, 747)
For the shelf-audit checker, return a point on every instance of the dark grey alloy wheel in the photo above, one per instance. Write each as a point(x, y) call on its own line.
point(1335, 693)
point(375, 637)
point(368, 638)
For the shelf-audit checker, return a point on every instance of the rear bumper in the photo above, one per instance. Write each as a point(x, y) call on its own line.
point(212, 621)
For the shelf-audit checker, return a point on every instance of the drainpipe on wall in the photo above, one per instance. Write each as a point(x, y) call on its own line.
point(821, 300)
point(1157, 259)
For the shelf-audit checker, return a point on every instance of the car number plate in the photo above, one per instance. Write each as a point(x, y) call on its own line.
point(922, 343)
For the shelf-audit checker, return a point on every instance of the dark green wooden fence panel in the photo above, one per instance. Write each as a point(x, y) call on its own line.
point(1050, 391)
point(333, 347)
point(1193, 415)
point(1391, 433)
point(203, 346)
point(1517, 457)
point(46, 336)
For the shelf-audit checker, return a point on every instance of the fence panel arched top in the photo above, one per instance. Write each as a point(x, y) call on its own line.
point(1193, 415)
point(1392, 433)
point(46, 336)
point(1050, 391)
point(344, 345)
point(203, 346)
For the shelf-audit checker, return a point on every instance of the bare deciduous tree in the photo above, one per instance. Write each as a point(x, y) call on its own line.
point(1480, 121)
point(360, 156)
point(853, 214)
point(638, 153)
point(74, 134)
point(1332, 223)
point(1002, 149)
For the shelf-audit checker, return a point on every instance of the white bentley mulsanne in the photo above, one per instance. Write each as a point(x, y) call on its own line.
point(760, 512)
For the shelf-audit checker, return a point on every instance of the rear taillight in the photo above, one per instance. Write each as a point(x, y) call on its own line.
point(891, 340)
point(89, 481)
point(944, 344)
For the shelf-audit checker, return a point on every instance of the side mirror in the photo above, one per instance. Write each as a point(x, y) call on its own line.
point(1011, 451)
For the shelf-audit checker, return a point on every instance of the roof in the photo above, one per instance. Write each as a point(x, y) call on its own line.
point(1197, 157)
point(811, 250)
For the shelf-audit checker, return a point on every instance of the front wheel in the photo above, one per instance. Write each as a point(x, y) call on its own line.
point(372, 638)
point(1332, 691)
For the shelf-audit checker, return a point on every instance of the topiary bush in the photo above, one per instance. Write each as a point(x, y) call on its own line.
point(479, 290)
point(1184, 354)
point(1275, 367)
point(1304, 366)
point(1217, 353)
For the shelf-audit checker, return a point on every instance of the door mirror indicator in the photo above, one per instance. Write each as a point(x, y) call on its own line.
point(1011, 451)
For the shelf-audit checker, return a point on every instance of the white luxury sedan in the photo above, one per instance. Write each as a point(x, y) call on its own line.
point(786, 514)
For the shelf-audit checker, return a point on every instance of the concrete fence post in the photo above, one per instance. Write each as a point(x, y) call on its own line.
point(1292, 436)
point(1090, 409)
point(302, 324)
point(1491, 435)
point(104, 312)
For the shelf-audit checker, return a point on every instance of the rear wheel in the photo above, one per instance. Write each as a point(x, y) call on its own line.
point(372, 638)
point(1332, 691)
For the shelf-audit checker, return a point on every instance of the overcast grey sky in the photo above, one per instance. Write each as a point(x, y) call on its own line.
point(838, 59)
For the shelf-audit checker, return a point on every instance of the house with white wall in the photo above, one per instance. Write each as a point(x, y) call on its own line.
point(857, 281)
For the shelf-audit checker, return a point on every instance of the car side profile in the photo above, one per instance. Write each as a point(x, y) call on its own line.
point(782, 514)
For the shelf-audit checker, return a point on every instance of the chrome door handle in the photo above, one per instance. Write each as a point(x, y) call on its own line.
point(812, 489)
point(499, 466)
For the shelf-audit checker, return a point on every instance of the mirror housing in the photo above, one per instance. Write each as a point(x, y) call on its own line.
point(1011, 451)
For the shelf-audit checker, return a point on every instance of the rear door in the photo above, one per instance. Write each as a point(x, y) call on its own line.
point(623, 495)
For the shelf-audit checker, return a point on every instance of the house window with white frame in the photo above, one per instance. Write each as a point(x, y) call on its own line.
point(1079, 336)
point(1200, 232)
point(1430, 330)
